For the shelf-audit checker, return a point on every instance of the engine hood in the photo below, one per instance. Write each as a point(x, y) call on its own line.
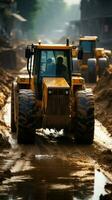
point(55, 83)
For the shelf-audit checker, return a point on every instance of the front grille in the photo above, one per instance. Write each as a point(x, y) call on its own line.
point(58, 104)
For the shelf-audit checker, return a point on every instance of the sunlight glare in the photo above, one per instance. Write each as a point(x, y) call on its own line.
point(71, 2)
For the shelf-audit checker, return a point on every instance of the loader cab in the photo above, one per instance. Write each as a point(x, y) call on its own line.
point(46, 65)
point(88, 45)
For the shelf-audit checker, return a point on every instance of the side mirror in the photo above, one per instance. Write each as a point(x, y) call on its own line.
point(80, 54)
point(28, 53)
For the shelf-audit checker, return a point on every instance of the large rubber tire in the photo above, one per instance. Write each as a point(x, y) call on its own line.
point(84, 133)
point(103, 63)
point(66, 131)
point(26, 120)
point(92, 74)
point(13, 124)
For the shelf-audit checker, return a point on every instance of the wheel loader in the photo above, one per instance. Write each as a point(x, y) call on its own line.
point(95, 60)
point(49, 97)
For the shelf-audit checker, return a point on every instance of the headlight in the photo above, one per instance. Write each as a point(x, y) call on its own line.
point(49, 91)
point(66, 92)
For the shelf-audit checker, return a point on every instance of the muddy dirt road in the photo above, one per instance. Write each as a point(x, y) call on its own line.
point(55, 168)
point(52, 169)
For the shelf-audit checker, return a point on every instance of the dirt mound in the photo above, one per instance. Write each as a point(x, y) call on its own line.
point(11, 60)
point(5, 86)
point(103, 100)
point(5, 77)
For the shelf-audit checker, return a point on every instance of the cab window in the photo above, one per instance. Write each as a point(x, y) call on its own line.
point(49, 64)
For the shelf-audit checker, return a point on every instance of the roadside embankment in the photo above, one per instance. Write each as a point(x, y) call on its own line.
point(103, 100)
point(5, 87)
point(10, 63)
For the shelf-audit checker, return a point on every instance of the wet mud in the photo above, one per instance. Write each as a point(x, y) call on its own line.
point(49, 171)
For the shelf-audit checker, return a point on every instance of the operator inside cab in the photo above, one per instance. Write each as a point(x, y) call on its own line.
point(61, 68)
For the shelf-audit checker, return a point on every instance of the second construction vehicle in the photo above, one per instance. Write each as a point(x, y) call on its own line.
point(94, 60)
point(51, 96)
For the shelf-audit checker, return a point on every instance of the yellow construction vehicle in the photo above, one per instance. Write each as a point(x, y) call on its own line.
point(94, 60)
point(50, 96)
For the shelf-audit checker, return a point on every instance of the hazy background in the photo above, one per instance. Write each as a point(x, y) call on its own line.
point(54, 20)
point(48, 19)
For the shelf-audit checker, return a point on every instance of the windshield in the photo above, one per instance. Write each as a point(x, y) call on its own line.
point(54, 63)
point(87, 46)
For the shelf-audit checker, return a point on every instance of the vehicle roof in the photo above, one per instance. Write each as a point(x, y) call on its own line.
point(53, 46)
point(89, 38)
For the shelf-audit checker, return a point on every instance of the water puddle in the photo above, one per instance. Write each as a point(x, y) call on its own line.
point(99, 182)
point(40, 157)
point(54, 178)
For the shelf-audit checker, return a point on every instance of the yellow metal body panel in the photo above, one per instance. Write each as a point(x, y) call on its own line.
point(74, 52)
point(50, 83)
point(23, 79)
point(77, 80)
point(108, 52)
point(55, 83)
point(99, 52)
point(89, 38)
point(54, 46)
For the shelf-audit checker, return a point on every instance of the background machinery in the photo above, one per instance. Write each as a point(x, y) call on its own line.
point(45, 98)
point(94, 60)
